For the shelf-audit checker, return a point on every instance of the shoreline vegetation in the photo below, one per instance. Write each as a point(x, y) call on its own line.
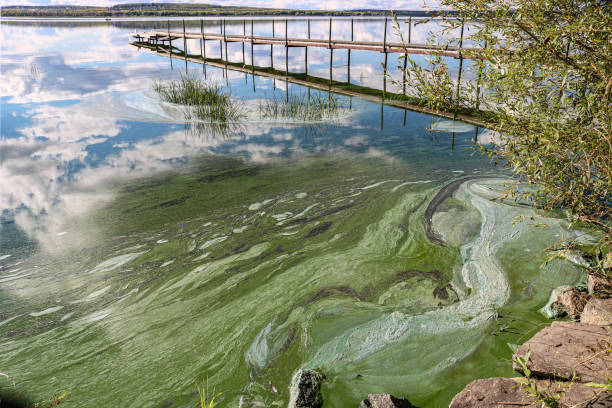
point(193, 10)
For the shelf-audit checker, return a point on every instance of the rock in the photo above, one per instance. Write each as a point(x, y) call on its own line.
point(565, 348)
point(557, 311)
point(571, 301)
point(579, 395)
point(385, 401)
point(305, 389)
point(489, 392)
point(504, 392)
point(597, 311)
point(599, 284)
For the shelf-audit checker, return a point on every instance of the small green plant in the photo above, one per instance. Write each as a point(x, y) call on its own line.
point(205, 101)
point(546, 397)
point(604, 387)
point(302, 107)
point(205, 400)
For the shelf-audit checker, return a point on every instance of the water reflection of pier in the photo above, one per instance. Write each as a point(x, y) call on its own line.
point(383, 97)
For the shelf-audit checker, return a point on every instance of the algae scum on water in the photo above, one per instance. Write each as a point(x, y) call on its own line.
point(244, 272)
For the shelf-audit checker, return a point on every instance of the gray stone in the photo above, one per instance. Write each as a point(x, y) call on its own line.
point(571, 301)
point(305, 389)
point(597, 311)
point(504, 392)
point(599, 284)
point(385, 401)
point(552, 309)
point(568, 348)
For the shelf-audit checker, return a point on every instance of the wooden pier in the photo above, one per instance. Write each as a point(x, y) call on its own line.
point(390, 47)
point(384, 46)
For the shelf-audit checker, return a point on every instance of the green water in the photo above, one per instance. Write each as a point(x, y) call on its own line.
point(243, 273)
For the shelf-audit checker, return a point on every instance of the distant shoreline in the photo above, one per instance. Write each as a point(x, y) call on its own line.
point(195, 10)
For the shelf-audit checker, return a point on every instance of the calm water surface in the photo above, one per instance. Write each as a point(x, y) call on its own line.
point(139, 254)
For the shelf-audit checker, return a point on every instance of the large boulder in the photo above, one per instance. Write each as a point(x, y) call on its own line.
point(385, 401)
point(597, 311)
point(305, 389)
point(565, 349)
point(599, 284)
point(571, 301)
point(504, 392)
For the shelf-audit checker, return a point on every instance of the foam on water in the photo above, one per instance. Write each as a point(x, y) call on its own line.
point(407, 183)
point(5, 321)
point(97, 293)
point(170, 262)
point(14, 277)
point(116, 262)
point(377, 184)
point(46, 311)
point(213, 241)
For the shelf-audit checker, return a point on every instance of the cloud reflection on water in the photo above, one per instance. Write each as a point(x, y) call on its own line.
point(78, 112)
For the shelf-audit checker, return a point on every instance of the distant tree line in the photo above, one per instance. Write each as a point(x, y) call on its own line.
point(187, 10)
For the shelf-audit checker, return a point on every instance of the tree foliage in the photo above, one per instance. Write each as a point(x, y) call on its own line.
point(544, 82)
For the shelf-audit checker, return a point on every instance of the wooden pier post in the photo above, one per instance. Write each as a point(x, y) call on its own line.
point(272, 48)
point(460, 64)
point(331, 53)
point(203, 47)
point(306, 51)
point(286, 51)
point(252, 56)
point(348, 65)
point(184, 40)
point(169, 42)
point(409, 30)
point(252, 43)
point(385, 77)
point(386, 59)
point(202, 39)
point(221, 41)
point(185, 46)
point(385, 37)
point(225, 42)
point(244, 35)
point(404, 73)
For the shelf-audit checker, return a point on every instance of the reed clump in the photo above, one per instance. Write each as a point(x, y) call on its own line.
point(302, 107)
point(204, 101)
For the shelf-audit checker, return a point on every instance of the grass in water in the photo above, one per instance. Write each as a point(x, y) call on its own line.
point(302, 107)
point(205, 101)
point(205, 401)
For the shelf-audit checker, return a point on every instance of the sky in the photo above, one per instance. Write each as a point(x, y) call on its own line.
point(298, 4)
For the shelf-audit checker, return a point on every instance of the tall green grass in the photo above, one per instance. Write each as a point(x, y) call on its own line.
point(205, 101)
point(207, 400)
point(302, 107)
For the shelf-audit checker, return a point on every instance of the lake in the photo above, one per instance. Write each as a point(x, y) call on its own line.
point(140, 254)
